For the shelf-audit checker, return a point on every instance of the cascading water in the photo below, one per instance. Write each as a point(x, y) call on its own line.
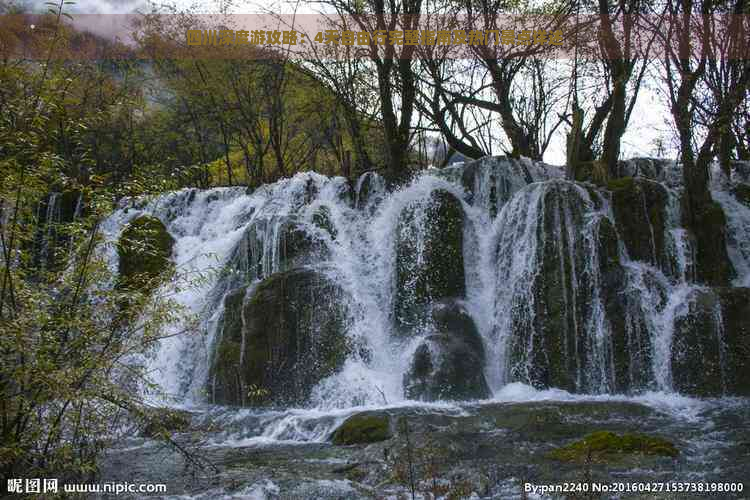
point(550, 283)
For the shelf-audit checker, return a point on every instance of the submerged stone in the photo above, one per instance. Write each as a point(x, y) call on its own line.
point(429, 257)
point(448, 365)
point(279, 340)
point(362, 428)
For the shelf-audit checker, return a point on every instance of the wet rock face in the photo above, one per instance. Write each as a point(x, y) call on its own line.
point(697, 347)
point(280, 340)
point(448, 365)
point(370, 191)
point(639, 210)
point(275, 245)
point(429, 258)
point(713, 266)
point(650, 168)
point(630, 337)
point(735, 313)
point(741, 171)
point(711, 345)
point(552, 308)
point(144, 250)
point(742, 193)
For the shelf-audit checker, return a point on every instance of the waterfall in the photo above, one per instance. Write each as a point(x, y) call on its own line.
point(738, 244)
point(552, 289)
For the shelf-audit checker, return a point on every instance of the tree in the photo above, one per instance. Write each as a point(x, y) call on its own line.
point(688, 44)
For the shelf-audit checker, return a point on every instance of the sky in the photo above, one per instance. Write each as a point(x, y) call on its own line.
point(648, 122)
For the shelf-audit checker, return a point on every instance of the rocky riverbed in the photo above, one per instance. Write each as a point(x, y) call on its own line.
point(472, 450)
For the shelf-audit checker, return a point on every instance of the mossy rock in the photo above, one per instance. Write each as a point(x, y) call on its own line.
point(279, 341)
point(606, 446)
point(363, 428)
point(296, 247)
point(593, 171)
point(547, 347)
point(447, 365)
point(742, 193)
point(322, 219)
point(144, 251)
point(639, 207)
point(735, 313)
point(713, 266)
point(159, 421)
point(711, 358)
point(433, 270)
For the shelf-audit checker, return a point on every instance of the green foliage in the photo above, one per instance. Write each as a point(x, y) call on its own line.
point(164, 421)
point(65, 388)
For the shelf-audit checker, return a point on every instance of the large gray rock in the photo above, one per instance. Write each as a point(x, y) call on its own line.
point(280, 340)
point(429, 258)
point(448, 365)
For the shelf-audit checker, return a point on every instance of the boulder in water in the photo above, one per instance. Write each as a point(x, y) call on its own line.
point(448, 365)
point(144, 251)
point(363, 428)
point(280, 340)
point(429, 257)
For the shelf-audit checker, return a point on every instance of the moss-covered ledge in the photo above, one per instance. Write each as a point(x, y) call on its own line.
point(606, 447)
